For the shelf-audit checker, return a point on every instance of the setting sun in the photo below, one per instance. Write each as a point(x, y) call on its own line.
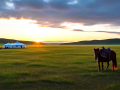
point(37, 41)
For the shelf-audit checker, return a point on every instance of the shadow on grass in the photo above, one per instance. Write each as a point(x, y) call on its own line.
point(10, 64)
point(4, 77)
point(114, 86)
point(42, 65)
point(36, 65)
point(30, 83)
point(23, 74)
point(64, 82)
point(18, 63)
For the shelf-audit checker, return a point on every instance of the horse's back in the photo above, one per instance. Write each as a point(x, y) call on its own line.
point(113, 55)
point(113, 52)
point(109, 56)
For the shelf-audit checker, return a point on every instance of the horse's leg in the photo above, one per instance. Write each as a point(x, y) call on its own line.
point(102, 66)
point(99, 66)
point(113, 64)
point(107, 65)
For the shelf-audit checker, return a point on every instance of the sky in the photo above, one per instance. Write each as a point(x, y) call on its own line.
point(59, 20)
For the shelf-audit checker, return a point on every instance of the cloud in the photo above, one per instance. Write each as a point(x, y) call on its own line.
point(88, 12)
point(79, 30)
point(118, 33)
point(59, 4)
point(29, 4)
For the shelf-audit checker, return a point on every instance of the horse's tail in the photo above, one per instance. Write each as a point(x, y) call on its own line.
point(115, 63)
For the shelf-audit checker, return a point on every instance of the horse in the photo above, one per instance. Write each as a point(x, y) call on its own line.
point(109, 56)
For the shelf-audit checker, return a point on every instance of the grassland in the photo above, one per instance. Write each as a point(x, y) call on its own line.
point(56, 67)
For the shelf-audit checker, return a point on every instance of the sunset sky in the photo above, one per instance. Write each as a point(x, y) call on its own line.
point(59, 20)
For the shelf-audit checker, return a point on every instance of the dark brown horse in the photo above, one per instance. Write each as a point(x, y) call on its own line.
point(109, 56)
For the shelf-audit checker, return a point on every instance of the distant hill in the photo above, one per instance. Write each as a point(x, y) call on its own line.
point(95, 42)
point(3, 41)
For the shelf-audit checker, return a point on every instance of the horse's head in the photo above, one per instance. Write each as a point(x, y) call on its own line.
point(96, 53)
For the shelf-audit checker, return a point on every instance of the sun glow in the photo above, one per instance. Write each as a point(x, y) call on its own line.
point(31, 30)
point(37, 41)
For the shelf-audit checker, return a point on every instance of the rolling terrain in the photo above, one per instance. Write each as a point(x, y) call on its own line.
point(96, 42)
point(4, 41)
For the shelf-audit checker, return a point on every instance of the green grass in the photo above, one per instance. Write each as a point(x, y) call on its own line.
point(56, 67)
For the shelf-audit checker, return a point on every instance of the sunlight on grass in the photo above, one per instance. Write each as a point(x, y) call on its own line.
point(59, 67)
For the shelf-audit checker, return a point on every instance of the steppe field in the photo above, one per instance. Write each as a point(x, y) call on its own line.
point(56, 67)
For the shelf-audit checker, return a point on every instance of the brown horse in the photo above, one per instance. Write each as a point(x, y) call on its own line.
point(109, 56)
